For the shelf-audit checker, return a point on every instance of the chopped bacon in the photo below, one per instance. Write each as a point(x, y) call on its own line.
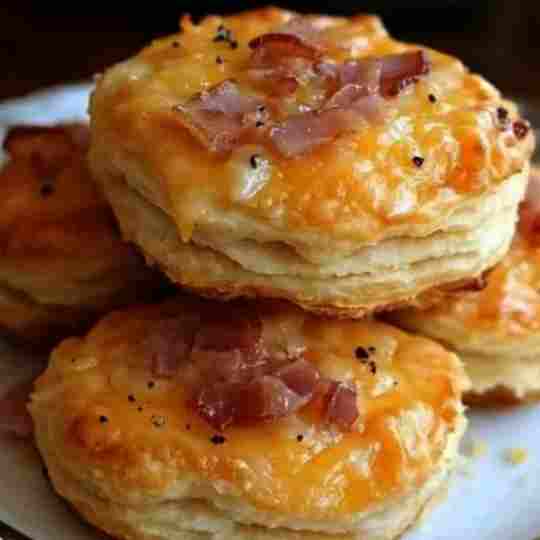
point(278, 60)
point(220, 116)
point(301, 377)
point(365, 73)
point(227, 368)
point(261, 400)
point(529, 211)
point(272, 49)
point(14, 416)
point(342, 408)
point(169, 344)
point(401, 70)
point(303, 132)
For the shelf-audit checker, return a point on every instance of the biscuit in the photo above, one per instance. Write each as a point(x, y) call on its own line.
point(308, 158)
point(495, 326)
point(131, 447)
point(62, 260)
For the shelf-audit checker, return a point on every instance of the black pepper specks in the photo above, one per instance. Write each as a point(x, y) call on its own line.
point(158, 421)
point(131, 398)
point(299, 437)
point(361, 353)
point(217, 439)
point(140, 409)
point(225, 35)
point(188, 427)
point(418, 161)
point(502, 115)
point(175, 44)
point(151, 384)
point(46, 189)
point(253, 161)
point(432, 98)
point(521, 129)
point(103, 419)
point(219, 60)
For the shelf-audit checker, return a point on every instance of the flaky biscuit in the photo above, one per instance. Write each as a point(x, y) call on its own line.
point(62, 260)
point(422, 195)
point(495, 325)
point(127, 449)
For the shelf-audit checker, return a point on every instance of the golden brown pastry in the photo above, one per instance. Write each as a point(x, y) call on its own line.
point(309, 158)
point(495, 326)
point(201, 420)
point(62, 261)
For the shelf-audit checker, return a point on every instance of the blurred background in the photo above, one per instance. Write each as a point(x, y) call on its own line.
point(43, 44)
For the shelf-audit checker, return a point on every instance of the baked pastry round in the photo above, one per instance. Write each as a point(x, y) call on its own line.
point(140, 453)
point(309, 158)
point(62, 260)
point(495, 326)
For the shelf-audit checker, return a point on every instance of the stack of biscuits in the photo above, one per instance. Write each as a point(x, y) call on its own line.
point(298, 179)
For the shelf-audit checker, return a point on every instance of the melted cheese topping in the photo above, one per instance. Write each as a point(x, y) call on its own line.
point(70, 219)
point(106, 419)
point(355, 186)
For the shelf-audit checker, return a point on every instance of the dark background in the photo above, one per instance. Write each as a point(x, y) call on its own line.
point(43, 43)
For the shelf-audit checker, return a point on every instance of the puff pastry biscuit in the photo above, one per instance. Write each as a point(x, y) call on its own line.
point(335, 430)
point(495, 326)
point(309, 158)
point(62, 260)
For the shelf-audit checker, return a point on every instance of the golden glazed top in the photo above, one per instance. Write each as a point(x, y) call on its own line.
point(445, 138)
point(51, 208)
point(110, 417)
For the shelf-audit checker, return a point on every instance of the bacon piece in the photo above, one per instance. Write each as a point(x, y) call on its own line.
point(220, 116)
point(342, 407)
point(529, 211)
point(272, 49)
point(343, 113)
point(300, 376)
point(401, 70)
point(169, 345)
point(279, 59)
point(262, 400)
point(365, 73)
point(14, 416)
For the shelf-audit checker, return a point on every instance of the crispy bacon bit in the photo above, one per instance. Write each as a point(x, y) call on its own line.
point(272, 49)
point(279, 59)
point(343, 113)
point(228, 371)
point(529, 211)
point(301, 377)
point(14, 416)
point(169, 344)
point(521, 129)
point(261, 400)
point(342, 408)
point(220, 116)
point(365, 73)
point(401, 70)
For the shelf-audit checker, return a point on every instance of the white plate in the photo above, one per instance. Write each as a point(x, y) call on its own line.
point(489, 499)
